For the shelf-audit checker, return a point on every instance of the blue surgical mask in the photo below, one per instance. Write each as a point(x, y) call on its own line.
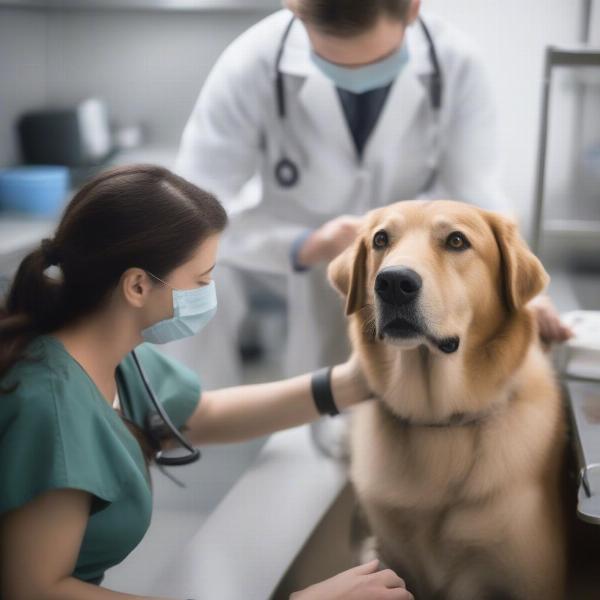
point(192, 310)
point(363, 79)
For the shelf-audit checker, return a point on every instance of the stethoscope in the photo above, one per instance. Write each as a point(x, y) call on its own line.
point(287, 172)
point(157, 421)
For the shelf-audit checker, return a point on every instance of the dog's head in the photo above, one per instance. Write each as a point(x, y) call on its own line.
point(424, 273)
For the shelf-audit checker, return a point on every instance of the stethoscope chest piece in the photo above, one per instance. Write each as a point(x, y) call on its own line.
point(286, 173)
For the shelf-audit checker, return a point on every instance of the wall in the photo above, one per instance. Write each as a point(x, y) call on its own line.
point(23, 71)
point(512, 36)
point(148, 66)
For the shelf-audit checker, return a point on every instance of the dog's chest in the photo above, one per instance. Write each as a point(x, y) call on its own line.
point(406, 466)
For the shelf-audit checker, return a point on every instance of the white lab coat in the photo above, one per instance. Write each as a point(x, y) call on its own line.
point(234, 138)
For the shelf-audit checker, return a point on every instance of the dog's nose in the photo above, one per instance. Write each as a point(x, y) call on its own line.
point(398, 285)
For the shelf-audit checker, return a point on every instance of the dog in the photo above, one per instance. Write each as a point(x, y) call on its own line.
point(457, 462)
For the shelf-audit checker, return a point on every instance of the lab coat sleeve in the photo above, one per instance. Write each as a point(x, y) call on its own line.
point(222, 138)
point(259, 242)
point(222, 147)
point(469, 166)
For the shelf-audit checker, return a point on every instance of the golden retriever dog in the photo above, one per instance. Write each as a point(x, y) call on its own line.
point(457, 462)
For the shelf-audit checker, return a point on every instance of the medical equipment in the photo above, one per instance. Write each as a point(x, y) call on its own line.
point(579, 364)
point(565, 242)
point(158, 423)
point(287, 173)
point(580, 355)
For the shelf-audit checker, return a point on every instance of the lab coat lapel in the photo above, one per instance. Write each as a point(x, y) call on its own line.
point(406, 96)
point(323, 108)
point(317, 94)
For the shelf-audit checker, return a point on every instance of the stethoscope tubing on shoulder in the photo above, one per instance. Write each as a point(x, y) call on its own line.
point(287, 172)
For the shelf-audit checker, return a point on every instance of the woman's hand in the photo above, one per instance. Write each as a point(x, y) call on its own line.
point(550, 326)
point(360, 583)
point(348, 383)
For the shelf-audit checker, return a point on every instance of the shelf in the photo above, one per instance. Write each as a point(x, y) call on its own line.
point(147, 5)
point(574, 56)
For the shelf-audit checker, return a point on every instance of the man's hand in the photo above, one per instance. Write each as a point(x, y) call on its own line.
point(329, 240)
point(550, 326)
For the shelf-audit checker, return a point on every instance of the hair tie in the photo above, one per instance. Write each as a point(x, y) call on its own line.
point(50, 252)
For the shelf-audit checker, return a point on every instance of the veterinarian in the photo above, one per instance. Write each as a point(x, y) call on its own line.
point(131, 262)
point(319, 113)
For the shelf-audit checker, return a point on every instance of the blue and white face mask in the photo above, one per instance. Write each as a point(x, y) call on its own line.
point(192, 310)
point(363, 79)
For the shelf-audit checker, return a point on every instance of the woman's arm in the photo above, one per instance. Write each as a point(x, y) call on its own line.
point(244, 412)
point(39, 546)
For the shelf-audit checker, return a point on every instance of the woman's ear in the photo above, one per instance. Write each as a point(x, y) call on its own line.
point(135, 286)
point(523, 276)
point(348, 274)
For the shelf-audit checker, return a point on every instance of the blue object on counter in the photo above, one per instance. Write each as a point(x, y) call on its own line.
point(37, 189)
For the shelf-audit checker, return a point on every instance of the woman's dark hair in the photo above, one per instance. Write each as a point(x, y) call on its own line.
point(136, 216)
point(346, 18)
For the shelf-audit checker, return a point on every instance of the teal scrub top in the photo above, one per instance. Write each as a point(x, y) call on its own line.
point(57, 431)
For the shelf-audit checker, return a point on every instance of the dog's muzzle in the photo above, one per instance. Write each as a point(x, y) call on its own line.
point(398, 289)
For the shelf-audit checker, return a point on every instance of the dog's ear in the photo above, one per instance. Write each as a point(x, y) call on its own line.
point(523, 275)
point(348, 274)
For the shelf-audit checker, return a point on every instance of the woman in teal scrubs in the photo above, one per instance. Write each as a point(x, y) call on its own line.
point(130, 262)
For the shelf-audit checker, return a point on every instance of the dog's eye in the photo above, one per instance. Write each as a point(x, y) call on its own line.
point(457, 241)
point(380, 239)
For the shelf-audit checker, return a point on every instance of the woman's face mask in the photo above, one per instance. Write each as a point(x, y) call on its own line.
point(363, 79)
point(192, 310)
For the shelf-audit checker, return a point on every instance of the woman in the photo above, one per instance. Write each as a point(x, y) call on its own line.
point(131, 261)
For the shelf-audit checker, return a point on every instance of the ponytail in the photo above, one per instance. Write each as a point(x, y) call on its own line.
point(33, 304)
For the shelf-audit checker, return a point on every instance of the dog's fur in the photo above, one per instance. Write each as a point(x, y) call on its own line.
point(469, 509)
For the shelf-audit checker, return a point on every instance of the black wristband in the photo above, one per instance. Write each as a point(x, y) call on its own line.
point(320, 385)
